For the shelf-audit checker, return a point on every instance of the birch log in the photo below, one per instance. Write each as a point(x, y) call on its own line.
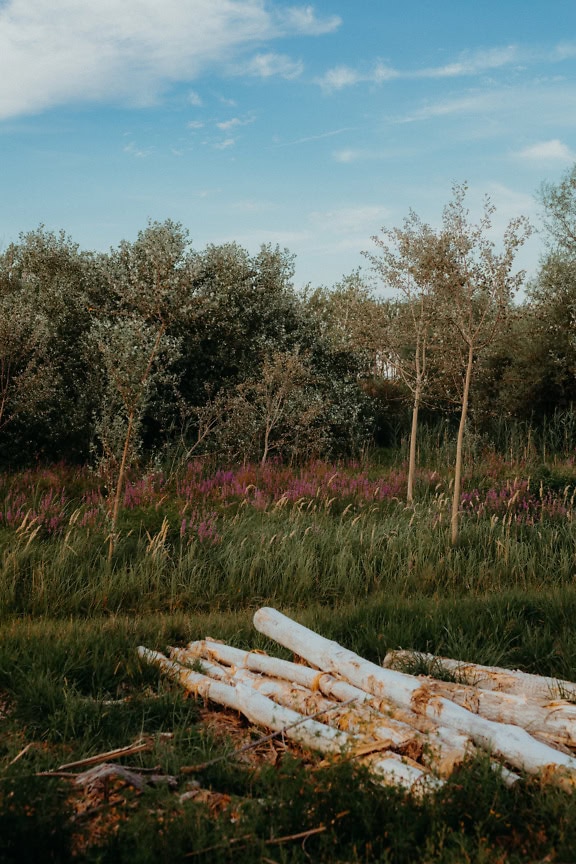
point(440, 749)
point(509, 742)
point(497, 678)
point(555, 721)
point(309, 733)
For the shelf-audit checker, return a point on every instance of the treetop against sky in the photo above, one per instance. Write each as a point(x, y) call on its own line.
point(308, 125)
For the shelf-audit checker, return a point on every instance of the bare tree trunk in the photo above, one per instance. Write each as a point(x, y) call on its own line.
point(120, 485)
point(266, 444)
point(459, 446)
point(413, 440)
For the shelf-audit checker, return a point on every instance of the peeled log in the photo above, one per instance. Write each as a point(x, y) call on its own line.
point(497, 678)
point(307, 732)
point(442, 748)
point(511, 743)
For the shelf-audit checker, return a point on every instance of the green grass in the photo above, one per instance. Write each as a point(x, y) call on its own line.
point(286, 556)
point(60, 676)
point(372, 575)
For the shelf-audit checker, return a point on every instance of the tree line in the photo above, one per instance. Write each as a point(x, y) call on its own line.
point(114, 356)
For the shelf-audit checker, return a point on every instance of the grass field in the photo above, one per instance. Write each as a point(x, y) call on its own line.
point(199, 548)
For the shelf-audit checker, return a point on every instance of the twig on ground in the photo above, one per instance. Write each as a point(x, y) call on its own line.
point(21, 753)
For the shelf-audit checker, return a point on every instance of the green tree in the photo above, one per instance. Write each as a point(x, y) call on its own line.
point(406, 264)
point(46, 286)
point(149, 290)
point(473, 287)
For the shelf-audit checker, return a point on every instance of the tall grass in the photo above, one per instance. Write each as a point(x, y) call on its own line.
point(229, 539)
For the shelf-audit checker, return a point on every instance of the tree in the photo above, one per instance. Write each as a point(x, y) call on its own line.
point(45, 289)
point(28, 376)
point(150, 288)
point(473, 289)
point(406, 264)
point(559, 202)
point(278, 410)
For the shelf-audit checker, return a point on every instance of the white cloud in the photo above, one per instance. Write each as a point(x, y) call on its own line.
point(303, 20)
point(132, 149)
point(268, 65)
point(226, 144)
point(195, 124)
point(350, 220)
point(234, 122)
point(194, 98)
point(344, 76)
point(548, 151)
point(60, 51)
point(347, 156)
point(468, 63)
point(471, 63)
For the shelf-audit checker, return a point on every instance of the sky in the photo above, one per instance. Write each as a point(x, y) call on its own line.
point(311, 126)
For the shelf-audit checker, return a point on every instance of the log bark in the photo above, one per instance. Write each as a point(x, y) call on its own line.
point(497, 678)
point(554, 721)
point(440, 749)
point(309, 733)
point(509, 742)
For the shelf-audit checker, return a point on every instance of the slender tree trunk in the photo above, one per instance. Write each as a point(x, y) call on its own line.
point(458, 468)
point(413, 440)
point(266, 445)
point(120, 485)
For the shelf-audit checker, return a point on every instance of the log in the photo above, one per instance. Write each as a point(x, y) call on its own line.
point(553, 721)
point(509, 742)
point(441, 750)
point(304, 731)
point(330, 686)
point(497, 678)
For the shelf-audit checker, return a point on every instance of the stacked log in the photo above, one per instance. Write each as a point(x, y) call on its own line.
point(409, 730)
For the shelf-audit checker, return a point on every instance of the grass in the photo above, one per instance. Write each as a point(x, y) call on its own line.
point(333, 546)
point(75, 688)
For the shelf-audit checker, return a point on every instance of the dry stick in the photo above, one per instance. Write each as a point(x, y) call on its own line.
point(139, 747)
point(21, 753)
point(190, 769)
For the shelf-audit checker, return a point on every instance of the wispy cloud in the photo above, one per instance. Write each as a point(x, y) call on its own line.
point(469, 63)
point(552, 102)
point(347, 155)
point(270, 64)
point(350, 220)
point(548, 151)
point(194, 98)
point(234, 122)
point(303, 20)
point(57, 51)
point(318, 137)
point(132, 149)
point(225, 144)
point(343, 76)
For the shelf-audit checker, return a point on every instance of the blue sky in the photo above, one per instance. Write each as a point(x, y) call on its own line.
point(311, 126)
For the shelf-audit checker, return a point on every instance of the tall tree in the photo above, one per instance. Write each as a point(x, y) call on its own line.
point(474, 286)
point(406, 265)
point(150, 288)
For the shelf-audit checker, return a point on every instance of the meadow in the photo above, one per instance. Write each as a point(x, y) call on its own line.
point(197, 548)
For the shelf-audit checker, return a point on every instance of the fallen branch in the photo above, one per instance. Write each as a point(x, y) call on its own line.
point(131, 750)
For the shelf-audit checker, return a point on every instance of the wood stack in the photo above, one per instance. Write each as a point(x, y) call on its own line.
point(410, 730)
